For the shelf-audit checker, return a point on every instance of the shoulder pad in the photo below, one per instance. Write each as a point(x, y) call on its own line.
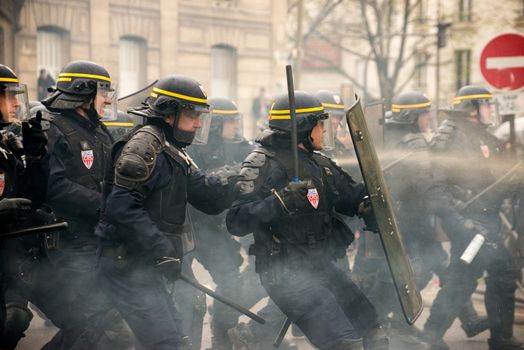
point(443, 135)
point(415, 141)
point(249, 178)
point(138, 158)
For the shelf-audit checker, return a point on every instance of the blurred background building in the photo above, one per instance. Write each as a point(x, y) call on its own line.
point(238, 48)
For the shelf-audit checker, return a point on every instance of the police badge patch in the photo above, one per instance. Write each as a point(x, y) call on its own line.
point(485, 150)
point(88, 157)
point(312, 197)
point(2, 183)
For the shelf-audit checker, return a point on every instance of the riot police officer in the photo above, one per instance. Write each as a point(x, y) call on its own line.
point(23, 185)
point(465, 159)
point(78, 147)
point(296, 227)
point(142, 229)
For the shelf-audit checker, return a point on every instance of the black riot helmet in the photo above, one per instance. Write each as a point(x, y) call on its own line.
point(408, 106)
point(308, 109)
point(471, 98)
point(225, 113)
point(331, 102)
point(175, 94)
point(79, 82)
point(14, 103)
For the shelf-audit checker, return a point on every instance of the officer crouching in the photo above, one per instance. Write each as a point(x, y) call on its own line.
point(142, 226)
point(297, 230)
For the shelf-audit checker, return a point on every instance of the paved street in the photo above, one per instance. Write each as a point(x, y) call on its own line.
point(38, 334)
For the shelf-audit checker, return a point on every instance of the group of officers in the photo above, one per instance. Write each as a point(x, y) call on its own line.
point(108, 280)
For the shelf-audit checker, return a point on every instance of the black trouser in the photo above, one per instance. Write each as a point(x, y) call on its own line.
point(461, 282)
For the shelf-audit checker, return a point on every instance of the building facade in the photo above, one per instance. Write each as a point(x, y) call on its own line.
point(228, 45)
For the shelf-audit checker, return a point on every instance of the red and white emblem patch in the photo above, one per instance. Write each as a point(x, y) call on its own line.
point(312, 197)
point(2, 183)
point(88, 157)
point(485, 150)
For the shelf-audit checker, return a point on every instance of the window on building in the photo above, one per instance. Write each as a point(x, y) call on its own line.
point(224, 71)
point(421, 71)
point(133, 65)
point(465, 10)
point(462, 67)
point(52, 50)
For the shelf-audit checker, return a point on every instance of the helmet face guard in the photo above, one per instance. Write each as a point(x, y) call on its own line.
point(107, 92)
point(202, 134)
point(14, 103)
point(330, 131)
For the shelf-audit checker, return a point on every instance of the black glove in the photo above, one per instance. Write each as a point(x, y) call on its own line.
point(227, 174)
point(470, 228)
point(34, 138)
point(293, 197)
point(13, 208)
point(170, 267)
point(365, 211)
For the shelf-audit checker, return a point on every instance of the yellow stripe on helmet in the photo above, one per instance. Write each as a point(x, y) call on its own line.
point(84, 75)
point(459, 99)
point(397, 108)
point(9, 80)
point(224, 111)
point(64, 79)
point(118, 124)
point(332, 105)
point(183, 97)
point(286, 113)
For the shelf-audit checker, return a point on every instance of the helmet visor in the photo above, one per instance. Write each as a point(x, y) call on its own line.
point(106, 101)
point(328, 141)
point(232, 128)
point(488, 113)
point(14, 103)
point(197, 120)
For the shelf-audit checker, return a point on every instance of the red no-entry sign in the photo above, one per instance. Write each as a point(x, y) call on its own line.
point(502, 62)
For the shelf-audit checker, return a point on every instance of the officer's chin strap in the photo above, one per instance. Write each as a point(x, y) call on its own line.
point(308, 143)
point(91, 113)
point(181, 138)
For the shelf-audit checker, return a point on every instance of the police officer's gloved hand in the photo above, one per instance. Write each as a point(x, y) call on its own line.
point(470, 228)
point(170, 267)
point(226, 174)
point(13, 208)
point(293, 197)
point(365, 211)
point(34, 138)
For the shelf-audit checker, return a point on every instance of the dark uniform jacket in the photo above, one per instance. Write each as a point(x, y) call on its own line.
point(466, 159)
point(78, 151)
point(145, 202)
point(309, 234)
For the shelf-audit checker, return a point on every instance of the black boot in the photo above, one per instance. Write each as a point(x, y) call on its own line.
point(505, 344)
point(471, 323)
point(376, 339)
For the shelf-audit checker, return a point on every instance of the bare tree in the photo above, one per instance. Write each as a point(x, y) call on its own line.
point(388, 33)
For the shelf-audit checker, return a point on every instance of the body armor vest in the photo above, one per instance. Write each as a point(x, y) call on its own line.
point(166, 206)
point(89, 149)
point(473, 167)
point(309, 230)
